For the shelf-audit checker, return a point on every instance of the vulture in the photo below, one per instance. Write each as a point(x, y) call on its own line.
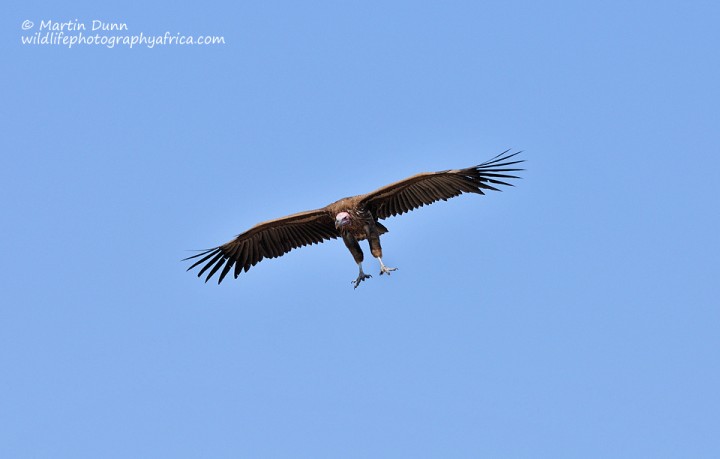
point(353, 219)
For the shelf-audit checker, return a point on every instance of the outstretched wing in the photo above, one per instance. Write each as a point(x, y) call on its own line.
point(270, 239)
point(421, 189)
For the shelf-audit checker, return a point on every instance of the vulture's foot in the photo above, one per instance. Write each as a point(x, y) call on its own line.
point(361, 277)
point(384, 269)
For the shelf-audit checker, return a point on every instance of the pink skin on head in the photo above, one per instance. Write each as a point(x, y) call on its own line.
point(342, 219)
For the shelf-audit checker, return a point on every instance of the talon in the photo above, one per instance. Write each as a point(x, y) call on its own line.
point(359, 279)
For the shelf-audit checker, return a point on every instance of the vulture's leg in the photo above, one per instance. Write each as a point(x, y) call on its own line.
point(354, 247)
point(376, 249)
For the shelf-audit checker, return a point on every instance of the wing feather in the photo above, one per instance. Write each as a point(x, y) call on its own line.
point(244, 255)
point(231, 261)
point(307, 239)
point(217, 255)
point(239, 262)
point(217, 266)
point(209, 253)
point(424, 194)
point(423, 189)
point(269, 239)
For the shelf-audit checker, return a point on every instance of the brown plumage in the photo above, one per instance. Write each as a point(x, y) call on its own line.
point(352, 219)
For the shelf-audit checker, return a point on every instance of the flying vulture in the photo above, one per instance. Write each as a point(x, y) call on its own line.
point(352, 219)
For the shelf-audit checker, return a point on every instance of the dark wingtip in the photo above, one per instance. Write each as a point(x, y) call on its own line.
point(501, 161)
point(496, 170)
point(200, 253)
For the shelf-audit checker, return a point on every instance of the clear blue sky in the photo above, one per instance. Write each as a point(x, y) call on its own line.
point(573, 316)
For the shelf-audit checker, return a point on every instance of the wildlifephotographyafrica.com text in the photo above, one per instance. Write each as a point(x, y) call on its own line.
point(108, 34)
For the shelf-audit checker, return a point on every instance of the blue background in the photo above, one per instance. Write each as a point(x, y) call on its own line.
point(575, 315)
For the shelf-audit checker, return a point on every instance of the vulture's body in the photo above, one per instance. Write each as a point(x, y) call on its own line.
point(353, 219)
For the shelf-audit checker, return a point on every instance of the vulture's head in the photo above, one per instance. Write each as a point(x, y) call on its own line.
point(342, 219)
